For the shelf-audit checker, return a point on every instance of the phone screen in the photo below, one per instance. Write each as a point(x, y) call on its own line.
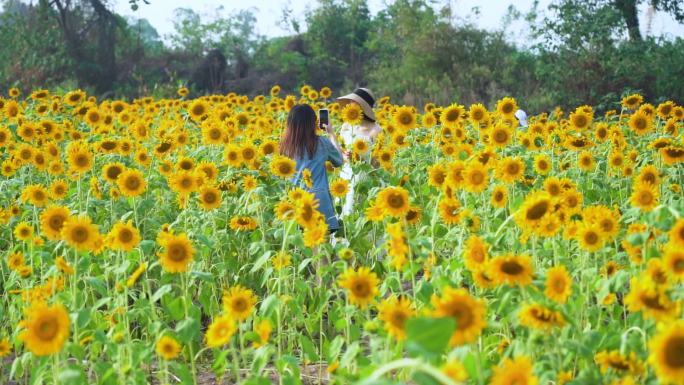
point(323, 117)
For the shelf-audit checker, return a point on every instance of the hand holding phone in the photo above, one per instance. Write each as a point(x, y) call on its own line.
point(323, 118)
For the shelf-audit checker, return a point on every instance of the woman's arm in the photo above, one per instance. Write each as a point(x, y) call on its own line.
point(335, 143)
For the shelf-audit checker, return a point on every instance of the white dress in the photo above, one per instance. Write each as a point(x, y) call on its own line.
point(349, 135)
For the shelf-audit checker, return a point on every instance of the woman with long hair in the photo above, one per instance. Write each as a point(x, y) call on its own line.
point(310, 151)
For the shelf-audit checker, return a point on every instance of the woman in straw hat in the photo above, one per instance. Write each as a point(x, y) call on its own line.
point(367, 131)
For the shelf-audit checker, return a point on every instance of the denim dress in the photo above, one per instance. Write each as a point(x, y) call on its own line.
point(319, 176)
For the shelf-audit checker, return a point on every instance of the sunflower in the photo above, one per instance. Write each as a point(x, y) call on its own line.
point(80, 159)
point(536, 206)
point(507, 107)
point(451, 116)
point(220, 331)
point(641, 124)
point(178, 253)
point(123, 236)
point(52, 220)
point(209, 197)
point(404, 118)
point(666, 353)
point(449, 210)
point(352, 114)
point(478, 113)
point(315, 235)
point(580, 120)
point(510, 169)
point(437, 175)
point(361, 285)
point(632, 101)
point(111, 171)
point(468, 312)
point(46, 328)
point(80, 233)
point(15, 260)
point(243, 223)
point(651, 300)
point(131, 182)
point(339, 188)
point(673, 259)
point(413, 215)
point(672, 154)
point(590, 237)
point(5, 347)
point(676, 234)
point(394, 200)
point(542, 164)
point(394, 312)
point(283, 166)
point(168, 348)
point(198, 109)
point(476, 177)
point(184, 182)
point(35, 194)
point(516, 371)
point(649, 174)
point(239, 302)
point(281, 260)
point(536, 316)
point(475, 253)
point(558, 284)
point(500, 135)
point(511, 269)
point(619, 363)
point(499, 196)
point(645, 197)
point(209, 170)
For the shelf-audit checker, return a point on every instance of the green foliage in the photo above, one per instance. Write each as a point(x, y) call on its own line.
point(579, 52)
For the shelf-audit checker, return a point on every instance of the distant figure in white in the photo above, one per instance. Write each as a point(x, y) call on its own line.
point(367, 131)
point(522, 117)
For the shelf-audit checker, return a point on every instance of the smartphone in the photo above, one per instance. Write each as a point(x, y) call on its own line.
point(323, 118)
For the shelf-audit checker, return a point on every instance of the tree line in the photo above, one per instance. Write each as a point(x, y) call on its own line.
point(581, 52)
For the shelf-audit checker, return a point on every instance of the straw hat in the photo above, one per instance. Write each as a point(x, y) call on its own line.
point(364, 98)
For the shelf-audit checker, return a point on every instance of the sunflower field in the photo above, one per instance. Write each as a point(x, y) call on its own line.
point(161, 241)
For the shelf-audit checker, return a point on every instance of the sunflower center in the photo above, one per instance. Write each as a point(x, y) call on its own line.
point(537, 210)
point(652, 302)
point(395, 201)
point(591, 238)
point(512, 168)
point(361, 289)
point(132, 183)
point(511, 268)
point(215, 134)
point(79, 234)
point(125, 235)
point(209, 197)
point(477, 177)
point(674, 352)
point(56, 222)
point(500, 136)
point(177, 253)
point(284, 168)
point(645, 198)
point(239, 304)
point(47, 328)
point(463, 315)
point(399, 318)
point(113, 172)
point(640, 123)
point(81, 160)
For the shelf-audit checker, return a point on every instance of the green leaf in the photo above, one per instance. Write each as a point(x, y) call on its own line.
point(187, 330)
point(428, 336)
point(308, 348)
point(160, 292)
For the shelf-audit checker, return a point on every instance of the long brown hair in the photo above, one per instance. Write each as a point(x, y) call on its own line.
point(300, 133)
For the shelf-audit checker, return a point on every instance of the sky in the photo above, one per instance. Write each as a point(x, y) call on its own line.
point(269, 12)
